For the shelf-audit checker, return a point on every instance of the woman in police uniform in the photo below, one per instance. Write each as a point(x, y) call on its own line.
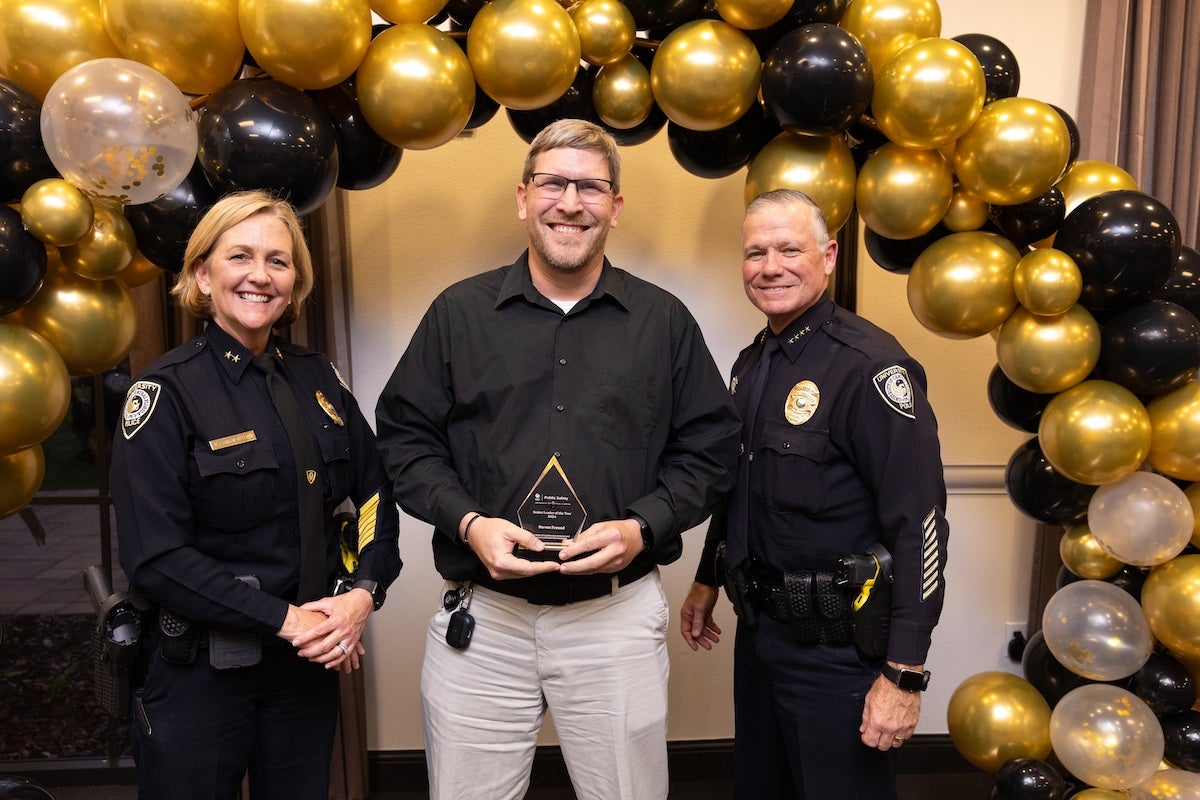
point(234, 451)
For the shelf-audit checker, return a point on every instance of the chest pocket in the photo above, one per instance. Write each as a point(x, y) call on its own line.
point(791, 460)
point(334, 442)
point(620, 414)
point(236, 490)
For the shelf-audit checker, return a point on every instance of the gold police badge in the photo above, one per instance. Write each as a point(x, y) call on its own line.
point(329, 410)
point(802, 402)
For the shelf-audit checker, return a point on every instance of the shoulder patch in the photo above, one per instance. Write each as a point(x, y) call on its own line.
point(895, 388)
point(139, 405)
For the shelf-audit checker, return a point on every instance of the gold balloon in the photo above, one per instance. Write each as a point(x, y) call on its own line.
point(42, 39)
point(1096, 432)
point(821, 167)
point(1175, 421)
point(1048, 354)
point(1015, 151)
point(524, 53)
point(961, 285)
point(108, 247)
point(407, 10)
point(1193, 495)
point(35, 389)
point(752, 15)
point(197, 44)
point(995, 716)
point(1086, 179)
point(621, 94)
point(1047, 282)
point(1099, 794)
point(885, 27)
point(91, 324)
point(1083, 555)
point(415, 86)
point(705, 75)
point(606, 30)
point(903, 193)
point(929, 93)
point(21, 475)
point(1171, 600)
point(139, 271)
point(967, 212)
point(305, 44)
point(56, 212)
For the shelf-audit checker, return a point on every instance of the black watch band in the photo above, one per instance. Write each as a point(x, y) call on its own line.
point(910, 680)
point(644, 528)
point(377, 592)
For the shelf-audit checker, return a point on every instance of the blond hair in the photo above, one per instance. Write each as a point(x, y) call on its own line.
point(577, 134)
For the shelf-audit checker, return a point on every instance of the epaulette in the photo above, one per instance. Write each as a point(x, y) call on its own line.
point(864, 336)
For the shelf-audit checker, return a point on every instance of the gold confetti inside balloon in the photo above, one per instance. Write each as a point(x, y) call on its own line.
point(35, 390)
point(21, 475)
point(961, 285)
point(1175, 443)
point(1014, 152)
point(885, 27)
point(621, 94)
point(1086, 179)
point(929, 93)
point(903, 193)
point(1047, 282)
point(108, 247)
point(305, 44)
point(705, 74)
point(1106, 736)
point(42, 39)
point(407, 10)
point(1048, 354)
point(606, 30)
point(996, 716)
point(524, 53)
point(1094, 433)
point(56, 212)
point(820, 166)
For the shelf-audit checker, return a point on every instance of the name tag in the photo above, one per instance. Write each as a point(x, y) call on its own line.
point(230, 441)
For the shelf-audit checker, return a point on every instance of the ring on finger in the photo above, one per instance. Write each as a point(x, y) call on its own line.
point(345, 649)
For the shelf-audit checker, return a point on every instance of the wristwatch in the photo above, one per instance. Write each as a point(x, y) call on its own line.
point(644, 527)
point(910, 680)
point(377, 592)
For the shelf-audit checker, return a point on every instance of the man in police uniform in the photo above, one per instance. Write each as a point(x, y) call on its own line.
point(839, 456)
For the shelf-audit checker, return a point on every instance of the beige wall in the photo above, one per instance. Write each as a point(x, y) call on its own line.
point(450, 212)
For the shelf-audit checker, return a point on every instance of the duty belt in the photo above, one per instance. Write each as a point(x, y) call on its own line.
point(812, 602)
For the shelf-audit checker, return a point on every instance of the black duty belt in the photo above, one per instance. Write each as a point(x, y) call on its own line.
point(812, 602)
point(553, 589)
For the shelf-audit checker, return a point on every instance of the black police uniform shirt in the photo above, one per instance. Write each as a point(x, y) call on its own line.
point(497, 380)
point(844, 454)
point(204, 485)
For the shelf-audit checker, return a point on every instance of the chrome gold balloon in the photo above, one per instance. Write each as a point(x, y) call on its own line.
point(42, 39)
point(1086, 179)
point(1048, 354)
point(752, 15)
point(903, 193)
point(21, 475)
point(1094, 433)
point(885, 27)
point(961, 285)
point(1047, 282)
point(995, 716)
point(705, 75)
point(621, 94)
point(967, 212)
point(1016, 149)
point(820, 166)
point(415, 86)
point(1175, 421)
point(305, 44)
point(56, 212)
point(35, 392)
point(407, 10)
point(1171, 600)
point(1083, 555)
point(108, 247)
point(928, 94)
point(524, 53)
point(197, 44)
point(92, 324)
point(139, 271)
point(1192, 493)
point(606, 30)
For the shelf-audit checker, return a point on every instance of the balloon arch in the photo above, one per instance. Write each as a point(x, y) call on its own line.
point(122, 120)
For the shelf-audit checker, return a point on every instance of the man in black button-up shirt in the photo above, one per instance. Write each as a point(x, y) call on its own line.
point(559, 361)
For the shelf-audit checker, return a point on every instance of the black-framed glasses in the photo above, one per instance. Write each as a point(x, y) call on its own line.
point(553, 186)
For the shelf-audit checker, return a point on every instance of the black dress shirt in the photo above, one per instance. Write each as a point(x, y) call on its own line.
point(497, 380)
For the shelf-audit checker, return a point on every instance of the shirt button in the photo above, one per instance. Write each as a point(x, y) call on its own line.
point(786, 445)
point(558, 454)
point(241, 464)
point(562, 361)
point(560, 407)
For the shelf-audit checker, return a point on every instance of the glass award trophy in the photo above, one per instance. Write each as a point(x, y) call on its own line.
point(552, 512)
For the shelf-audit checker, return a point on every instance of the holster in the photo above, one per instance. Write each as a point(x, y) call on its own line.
point(180, 637)
point(738, 585)
point(114, 642)
point(869, 577)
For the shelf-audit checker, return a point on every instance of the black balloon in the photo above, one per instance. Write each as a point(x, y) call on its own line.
point(864, 139)
point(462, 12)
point(1165, 685)
point(365, 159)
point(1016, 407)
point(1128, 578)
point(715, 154)
point(23, 158)
point(263, 134)
point(22, 262)
point(1037, 490)
point(485, 108)
point(1182, 286)
point(1034, 220)
point(1073, 133)
point(1029, 779)
point(1001, 75)
point(575, 103)
point(899, 255)
point(817, 80)
point(1046, 673)
point(1125, 244)
point(649, 14)
point(163, 226)
point(1150, 348)
point(1181, 733)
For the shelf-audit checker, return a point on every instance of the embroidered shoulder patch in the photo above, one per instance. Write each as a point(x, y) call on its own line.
point(896, 390)
point(139, 405)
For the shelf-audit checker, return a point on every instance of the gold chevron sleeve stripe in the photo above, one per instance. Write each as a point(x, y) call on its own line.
point(366, 521)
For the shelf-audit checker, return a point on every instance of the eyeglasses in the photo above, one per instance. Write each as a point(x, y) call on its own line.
point(590, 190)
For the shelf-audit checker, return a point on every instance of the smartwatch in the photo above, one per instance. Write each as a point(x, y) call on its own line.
point(644, 527)
point(910, 680)
point(377, 592)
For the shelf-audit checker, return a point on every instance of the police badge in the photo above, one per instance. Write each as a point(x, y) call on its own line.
point(802, 402)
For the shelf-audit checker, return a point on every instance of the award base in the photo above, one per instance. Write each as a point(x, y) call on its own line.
point(549, 554)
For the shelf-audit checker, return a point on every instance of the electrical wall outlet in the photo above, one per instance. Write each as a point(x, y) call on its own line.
point(1014, 646)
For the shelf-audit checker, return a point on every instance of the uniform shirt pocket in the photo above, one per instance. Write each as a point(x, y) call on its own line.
point(335, 453)
point(236, 490)
point(792, 460)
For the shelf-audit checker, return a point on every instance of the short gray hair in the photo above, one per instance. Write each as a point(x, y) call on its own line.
point(794, 197)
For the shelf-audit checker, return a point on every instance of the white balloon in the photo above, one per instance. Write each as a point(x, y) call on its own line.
point(1106, 736)
point(1143, 519)
point(1097, 629)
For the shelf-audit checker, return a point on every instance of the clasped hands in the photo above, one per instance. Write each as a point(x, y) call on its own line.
point(329, 630)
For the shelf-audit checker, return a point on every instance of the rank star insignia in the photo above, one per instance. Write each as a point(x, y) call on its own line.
point(800, 333)
point(231, 356)
point(733, 385)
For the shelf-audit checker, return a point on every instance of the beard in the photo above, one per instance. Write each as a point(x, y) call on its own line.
point(567, 261)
